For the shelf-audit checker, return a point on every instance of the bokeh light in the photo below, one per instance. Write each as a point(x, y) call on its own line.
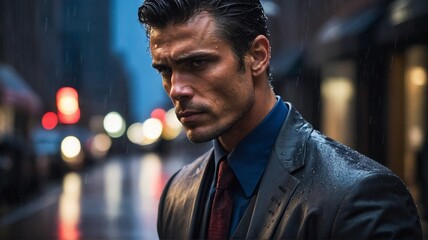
point(71, 150)
point(135, 133)
point(158, 113)
point(172, 126)
point(101, 144)
point(49, 120)
point(114, 124)
point(152, 129)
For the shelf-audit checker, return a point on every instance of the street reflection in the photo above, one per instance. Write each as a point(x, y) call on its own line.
point(113, 177)
point(116, 199)
point(150, 177)
point(150, 188)
point(69, 207)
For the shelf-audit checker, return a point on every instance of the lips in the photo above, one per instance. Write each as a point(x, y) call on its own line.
point(188, 116)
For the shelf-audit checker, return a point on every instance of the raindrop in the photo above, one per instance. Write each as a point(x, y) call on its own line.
point(66, 57)
point(46, 24)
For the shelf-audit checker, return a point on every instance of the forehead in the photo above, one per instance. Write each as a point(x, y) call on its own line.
point(199, 30)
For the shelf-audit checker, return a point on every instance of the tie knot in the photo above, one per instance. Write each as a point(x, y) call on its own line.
point(225, 176)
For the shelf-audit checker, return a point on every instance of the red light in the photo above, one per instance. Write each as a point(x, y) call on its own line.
point(67, 101)
point(69, 118)
point(49, 120)
point(158, 113)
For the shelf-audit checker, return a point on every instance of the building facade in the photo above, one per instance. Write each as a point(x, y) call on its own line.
point(53, 44)
point(358, 71)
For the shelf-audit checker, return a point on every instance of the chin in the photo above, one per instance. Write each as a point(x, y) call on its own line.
point(198, 138)
point(202, 136)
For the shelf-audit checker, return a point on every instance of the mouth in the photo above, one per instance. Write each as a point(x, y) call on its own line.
point(188, 116)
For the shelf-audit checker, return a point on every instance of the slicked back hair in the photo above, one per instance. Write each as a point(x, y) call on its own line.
point(238, 21)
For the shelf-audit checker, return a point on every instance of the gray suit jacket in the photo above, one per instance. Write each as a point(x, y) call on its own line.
point(313, 188)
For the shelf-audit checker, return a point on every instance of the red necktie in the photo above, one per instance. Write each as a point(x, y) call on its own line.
point(221, 210)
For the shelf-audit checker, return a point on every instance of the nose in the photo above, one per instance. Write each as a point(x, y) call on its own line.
point(180, 88)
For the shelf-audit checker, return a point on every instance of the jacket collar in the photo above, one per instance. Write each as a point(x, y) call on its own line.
point(290, 144)
point(272, 199)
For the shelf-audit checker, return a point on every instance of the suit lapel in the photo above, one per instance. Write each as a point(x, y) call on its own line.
point(242, 229)
point(275, 192)
point(278, 184)
point(201, 186)
point(183, 205)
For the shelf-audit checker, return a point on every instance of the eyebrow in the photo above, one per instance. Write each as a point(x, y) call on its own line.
point(185, 58)
point(192, 56)
point(158, 66)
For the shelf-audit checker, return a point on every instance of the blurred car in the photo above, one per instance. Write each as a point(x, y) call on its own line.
point(62, 149)
point(18, 177)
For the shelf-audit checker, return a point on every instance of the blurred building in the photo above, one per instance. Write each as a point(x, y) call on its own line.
point(57, 43)
point(358, 71)
point(46, 45)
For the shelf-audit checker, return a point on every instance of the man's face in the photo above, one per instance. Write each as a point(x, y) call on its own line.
point(200, 74)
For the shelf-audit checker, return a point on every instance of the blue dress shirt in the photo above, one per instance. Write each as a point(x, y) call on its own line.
point(249, 159)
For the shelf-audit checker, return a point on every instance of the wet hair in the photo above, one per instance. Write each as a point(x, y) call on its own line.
point(238, 21)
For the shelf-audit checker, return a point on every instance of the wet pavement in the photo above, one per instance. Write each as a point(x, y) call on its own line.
point(116, 199)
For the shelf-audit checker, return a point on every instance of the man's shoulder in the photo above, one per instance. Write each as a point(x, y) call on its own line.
point(195, 167)
point(187, 179)
point(341, 159)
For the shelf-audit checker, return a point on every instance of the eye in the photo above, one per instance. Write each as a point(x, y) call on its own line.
point(198, 63)
point(164, 71)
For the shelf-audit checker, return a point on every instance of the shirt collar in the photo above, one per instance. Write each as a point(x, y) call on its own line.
point(250, 157)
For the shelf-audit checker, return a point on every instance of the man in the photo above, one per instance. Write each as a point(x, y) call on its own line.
point(284, 179)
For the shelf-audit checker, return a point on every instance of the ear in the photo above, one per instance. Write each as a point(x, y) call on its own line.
point(260, 53)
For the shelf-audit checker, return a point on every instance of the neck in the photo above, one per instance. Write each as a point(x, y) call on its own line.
point(263, 104)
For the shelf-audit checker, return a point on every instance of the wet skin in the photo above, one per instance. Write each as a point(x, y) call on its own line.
point(212, 96)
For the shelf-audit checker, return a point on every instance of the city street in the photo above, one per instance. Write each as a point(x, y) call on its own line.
point(115, 199)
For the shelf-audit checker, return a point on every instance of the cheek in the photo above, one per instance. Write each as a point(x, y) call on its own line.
point(234, 96)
